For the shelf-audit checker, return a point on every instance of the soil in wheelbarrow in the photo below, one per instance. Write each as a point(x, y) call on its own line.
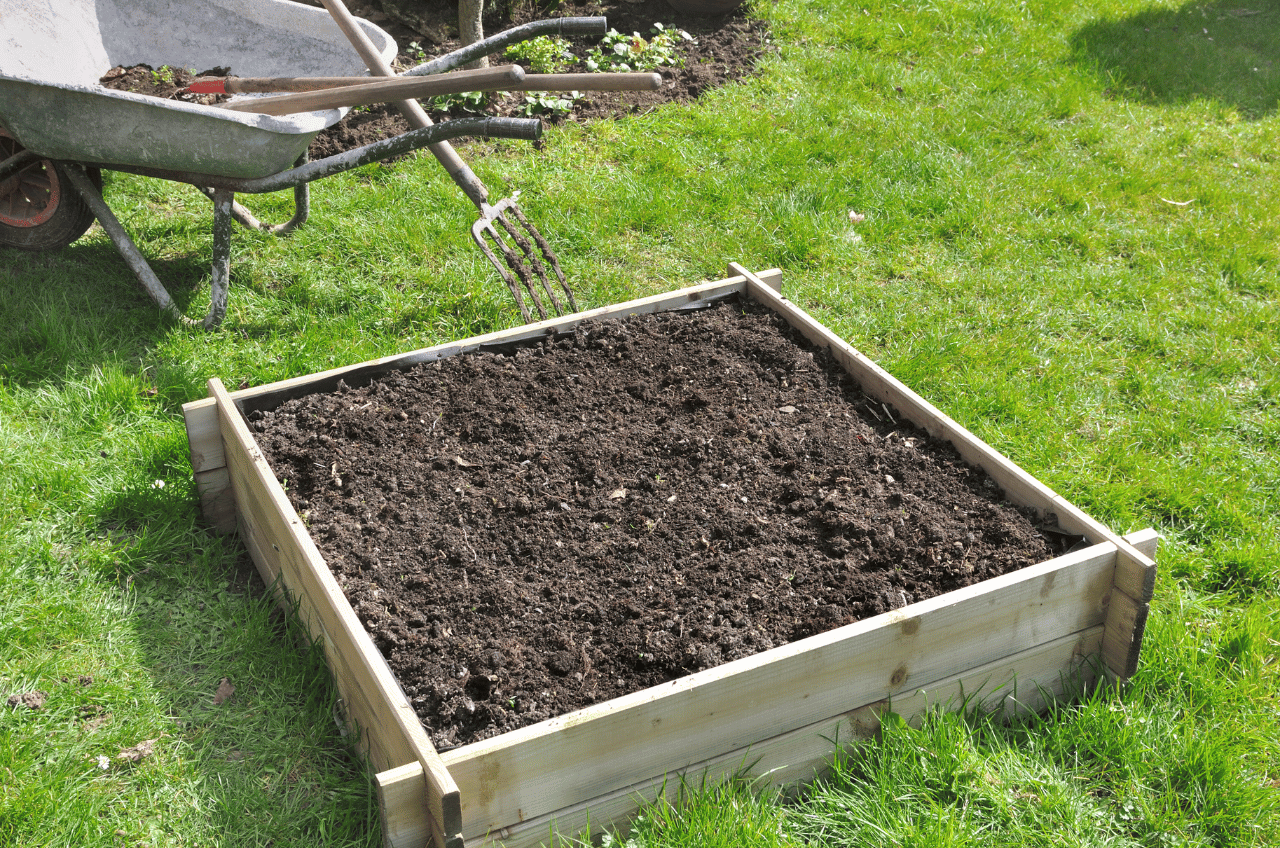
point(527, 532)
point(165, 82)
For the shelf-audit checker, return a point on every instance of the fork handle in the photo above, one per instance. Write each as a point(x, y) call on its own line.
point(413, 113)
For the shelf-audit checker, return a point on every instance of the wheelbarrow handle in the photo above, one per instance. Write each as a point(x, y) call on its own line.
point(588, 82)
point(280, 85)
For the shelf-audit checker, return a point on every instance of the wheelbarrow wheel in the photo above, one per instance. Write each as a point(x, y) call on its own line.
point(39, 208)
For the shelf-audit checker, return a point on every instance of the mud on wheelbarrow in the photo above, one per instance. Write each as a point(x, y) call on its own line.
point(59, 127)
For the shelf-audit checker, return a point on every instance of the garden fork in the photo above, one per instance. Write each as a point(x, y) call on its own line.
point(530, 270)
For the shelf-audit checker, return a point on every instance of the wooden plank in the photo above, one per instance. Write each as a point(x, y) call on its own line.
point(404, 824)
point(536, 770)
point(1126, 615)
point(217, 500)
point(1017, 684)
point(1136, 575)
point(269, 523)
point(204, 438)
point(1125, 626)
point(735, 271)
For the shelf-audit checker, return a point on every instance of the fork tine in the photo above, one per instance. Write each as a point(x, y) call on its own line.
point(523, 259)
point(547, 252)
point(484, 227)
point(531, 256)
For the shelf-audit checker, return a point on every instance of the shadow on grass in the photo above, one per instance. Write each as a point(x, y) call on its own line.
point(250, 702)
point(1227, 52)
point(60, 310)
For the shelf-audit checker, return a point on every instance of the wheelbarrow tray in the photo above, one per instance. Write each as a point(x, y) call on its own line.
point(1010, 643)
point(53, 52)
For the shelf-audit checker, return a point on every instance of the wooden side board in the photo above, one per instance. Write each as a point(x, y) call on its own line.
point(1019, 683)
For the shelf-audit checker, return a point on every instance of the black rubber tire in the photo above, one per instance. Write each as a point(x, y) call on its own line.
point(39, 208)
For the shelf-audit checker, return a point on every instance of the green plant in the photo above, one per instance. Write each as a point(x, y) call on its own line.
point(623, 53)
point(542, 55)
point(470, 102)
point(163, 74)
point(547, 103)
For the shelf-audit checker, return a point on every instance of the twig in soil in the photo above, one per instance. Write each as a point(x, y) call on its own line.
point(474, 555)
point(888, 413)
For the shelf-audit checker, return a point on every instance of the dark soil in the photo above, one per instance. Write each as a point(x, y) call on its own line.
point(725, 49)
point(528, 532)
point(165, 82)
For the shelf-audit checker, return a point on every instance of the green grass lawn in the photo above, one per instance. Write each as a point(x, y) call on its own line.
point(1071, 246)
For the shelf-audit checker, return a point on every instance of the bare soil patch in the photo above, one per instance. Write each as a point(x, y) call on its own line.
point(525, 532)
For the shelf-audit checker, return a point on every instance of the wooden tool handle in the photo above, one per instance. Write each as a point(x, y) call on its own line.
point(382, 91)
point(589, 82)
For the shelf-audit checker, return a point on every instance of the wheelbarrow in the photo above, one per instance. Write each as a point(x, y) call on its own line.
point(59, 127)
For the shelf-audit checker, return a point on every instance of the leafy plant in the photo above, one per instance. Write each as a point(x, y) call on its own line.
point(624, 53)
point(542, 55)
point(415, 50)
point(163, 74)
point(470, 102)
point(548, 103)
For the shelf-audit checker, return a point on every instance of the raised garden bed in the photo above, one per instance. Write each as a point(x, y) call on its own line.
point(1008, 641)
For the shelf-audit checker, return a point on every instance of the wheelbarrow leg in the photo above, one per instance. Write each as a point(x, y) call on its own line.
point(220, 280)
point(138, 263)
point(124, 244)
point(301, 209)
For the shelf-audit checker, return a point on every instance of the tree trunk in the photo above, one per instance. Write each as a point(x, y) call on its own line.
point(471, 27)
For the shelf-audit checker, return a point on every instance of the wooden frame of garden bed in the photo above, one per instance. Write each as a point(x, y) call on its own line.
point(1010, 643)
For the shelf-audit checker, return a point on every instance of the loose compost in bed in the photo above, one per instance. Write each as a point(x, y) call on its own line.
point(525, 532)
